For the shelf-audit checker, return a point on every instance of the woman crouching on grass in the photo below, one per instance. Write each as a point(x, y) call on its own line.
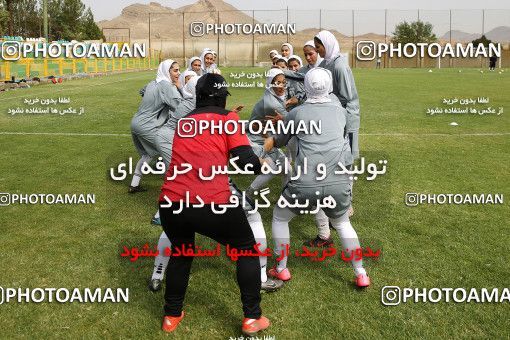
point(230, 227)
point(159, 97)
point(325, 149)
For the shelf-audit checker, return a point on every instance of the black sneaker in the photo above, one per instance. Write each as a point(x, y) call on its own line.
point(271, 285)
point(318, 242)
point(136, 189)
point(154, 285)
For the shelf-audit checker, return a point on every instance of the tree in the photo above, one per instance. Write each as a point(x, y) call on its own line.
point(70, 21)
point(414, 32)
point(4, 21)
point(9, 7)
point(90, 31)
point(67, 19)
point(19, 17)
point(482, 40)
point(26, 18)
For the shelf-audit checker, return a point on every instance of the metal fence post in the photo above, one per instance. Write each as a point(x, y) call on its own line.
point(385, 35)
point(253, 40)
point(353, 59)
point(183, 40)
point(287, 23)
point(450, 63)
point(218, 40)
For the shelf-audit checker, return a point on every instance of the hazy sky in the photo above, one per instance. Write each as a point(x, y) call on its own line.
point(108, 9)
point(467, 16)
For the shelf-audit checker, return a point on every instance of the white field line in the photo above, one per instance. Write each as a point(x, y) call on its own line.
point(67, 134)
point(72, 134)
point(435, 134)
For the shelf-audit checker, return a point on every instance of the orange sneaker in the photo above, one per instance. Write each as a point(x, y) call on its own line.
point(284, 275)
point(170, 323)
point(362, 280)
point(252, 326)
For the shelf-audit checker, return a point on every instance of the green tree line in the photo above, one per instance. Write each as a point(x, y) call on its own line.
point(67, 20)
point(414, 32)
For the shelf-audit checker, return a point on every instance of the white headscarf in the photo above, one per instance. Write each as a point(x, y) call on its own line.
point(182, 77)
point(318, 85)
point(291, 49)
point(298, 58)
point(164, 71)
point(330, 44)
point(270, 76)
point(283, 58)
point(189, 90)
point(191, 61)
point(273, 51)
point(202, 59)
point(278, 56)
point(311, 43)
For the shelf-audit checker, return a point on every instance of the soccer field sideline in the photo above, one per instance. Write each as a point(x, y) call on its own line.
point(72, 134)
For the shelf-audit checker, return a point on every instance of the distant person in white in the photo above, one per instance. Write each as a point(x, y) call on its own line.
point(207, 59)
point(287, 50)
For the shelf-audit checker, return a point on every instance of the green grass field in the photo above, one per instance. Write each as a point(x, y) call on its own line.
point(424, 246)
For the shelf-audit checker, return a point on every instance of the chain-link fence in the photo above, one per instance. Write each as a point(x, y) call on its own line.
point(172, 33)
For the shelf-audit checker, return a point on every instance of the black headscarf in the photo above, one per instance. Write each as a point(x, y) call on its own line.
point(211, 90)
